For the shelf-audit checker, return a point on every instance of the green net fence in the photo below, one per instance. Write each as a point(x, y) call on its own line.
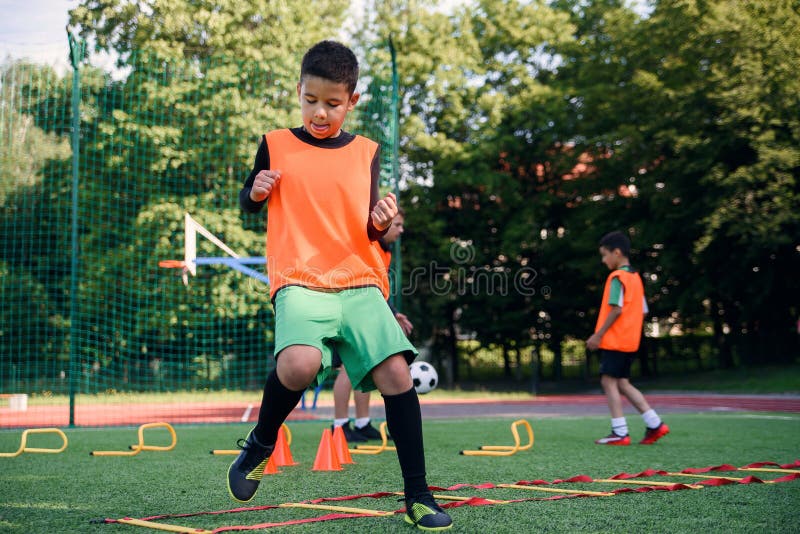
point(93, 331)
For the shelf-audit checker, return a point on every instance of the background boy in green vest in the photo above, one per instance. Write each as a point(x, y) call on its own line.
point(328, 283)
point(617, 335)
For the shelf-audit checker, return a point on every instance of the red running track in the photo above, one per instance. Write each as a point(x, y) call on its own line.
point(136, 414)
point(232, 412)
point(577, 405)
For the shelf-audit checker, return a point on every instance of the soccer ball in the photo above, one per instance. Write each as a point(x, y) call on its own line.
point(424, 376)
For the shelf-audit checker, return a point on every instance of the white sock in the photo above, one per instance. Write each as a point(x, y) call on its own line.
point(361, 422)
point(651, 419)
point(619, 426)
point(341, 422)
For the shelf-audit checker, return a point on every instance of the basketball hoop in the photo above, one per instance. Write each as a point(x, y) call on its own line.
point(190, 260)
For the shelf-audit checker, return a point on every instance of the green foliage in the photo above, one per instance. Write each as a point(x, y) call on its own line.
point(172, 130)
point(26, 144)
point(24, 332)
point(708, 140)
point(533, 129)
point(33, 211)
point(527, 131)
point(262, 32)
point(462, 74)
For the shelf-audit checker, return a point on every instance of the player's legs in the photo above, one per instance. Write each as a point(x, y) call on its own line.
point(341, 391)
point(614, 366)
point(362, 429)
point(377, 352)
point(361, 401)
point(362, 425)
point(633, 395)
point(656, 428)
point(619, 426)
point(341, 398)
point(296, 368)
point(404, 419)
point(303, 321)
point(341, 404)
point(341, 395)
point(392, 376)
point(610, 387)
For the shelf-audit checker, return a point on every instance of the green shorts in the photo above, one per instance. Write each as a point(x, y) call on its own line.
point(357, 322)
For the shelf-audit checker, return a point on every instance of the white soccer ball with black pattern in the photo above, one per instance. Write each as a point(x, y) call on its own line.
point(424, 376)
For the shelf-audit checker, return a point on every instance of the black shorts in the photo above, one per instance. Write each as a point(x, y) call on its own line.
point(336, 360)
point(615, 363)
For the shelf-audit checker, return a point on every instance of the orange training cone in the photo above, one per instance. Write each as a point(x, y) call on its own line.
point(282, 455)
point(340, 444)
point(327, 459)
point(271, 468)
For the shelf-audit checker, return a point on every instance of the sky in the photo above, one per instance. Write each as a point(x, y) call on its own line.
point(35, 29)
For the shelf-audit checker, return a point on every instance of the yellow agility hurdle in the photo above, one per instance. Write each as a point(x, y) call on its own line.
point(506, 450)
point(24, 448)
point(222, 452)
point(375, 449)
point(139, 447)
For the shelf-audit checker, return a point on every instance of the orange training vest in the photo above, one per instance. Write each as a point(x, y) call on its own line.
point(317, 216)
point(625, 333)
point(386, 255)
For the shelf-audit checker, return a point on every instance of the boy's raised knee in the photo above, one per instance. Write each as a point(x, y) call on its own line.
point(298, 365)
point(392, 376)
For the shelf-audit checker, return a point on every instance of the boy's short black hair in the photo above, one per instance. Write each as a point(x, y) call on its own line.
point(618, 240)
point(332, 61)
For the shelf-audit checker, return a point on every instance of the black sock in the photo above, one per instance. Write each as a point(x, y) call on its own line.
point(276, 405)
point(404, 420)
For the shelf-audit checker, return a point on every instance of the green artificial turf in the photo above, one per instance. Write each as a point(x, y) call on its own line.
point(63, 492)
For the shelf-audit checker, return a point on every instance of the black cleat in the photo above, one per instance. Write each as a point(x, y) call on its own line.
point(423, 512)
point(369, 432)
point(246, 471)
point(349, 434)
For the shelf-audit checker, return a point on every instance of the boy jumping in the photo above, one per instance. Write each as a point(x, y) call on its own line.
point(328, 284)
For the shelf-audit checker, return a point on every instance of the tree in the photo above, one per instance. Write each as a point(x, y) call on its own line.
point(34, 155)
point(466, 79)
point(174, 130)
point(755, 175)
point(271, 33)
point(532, 130)
point(701, 164)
